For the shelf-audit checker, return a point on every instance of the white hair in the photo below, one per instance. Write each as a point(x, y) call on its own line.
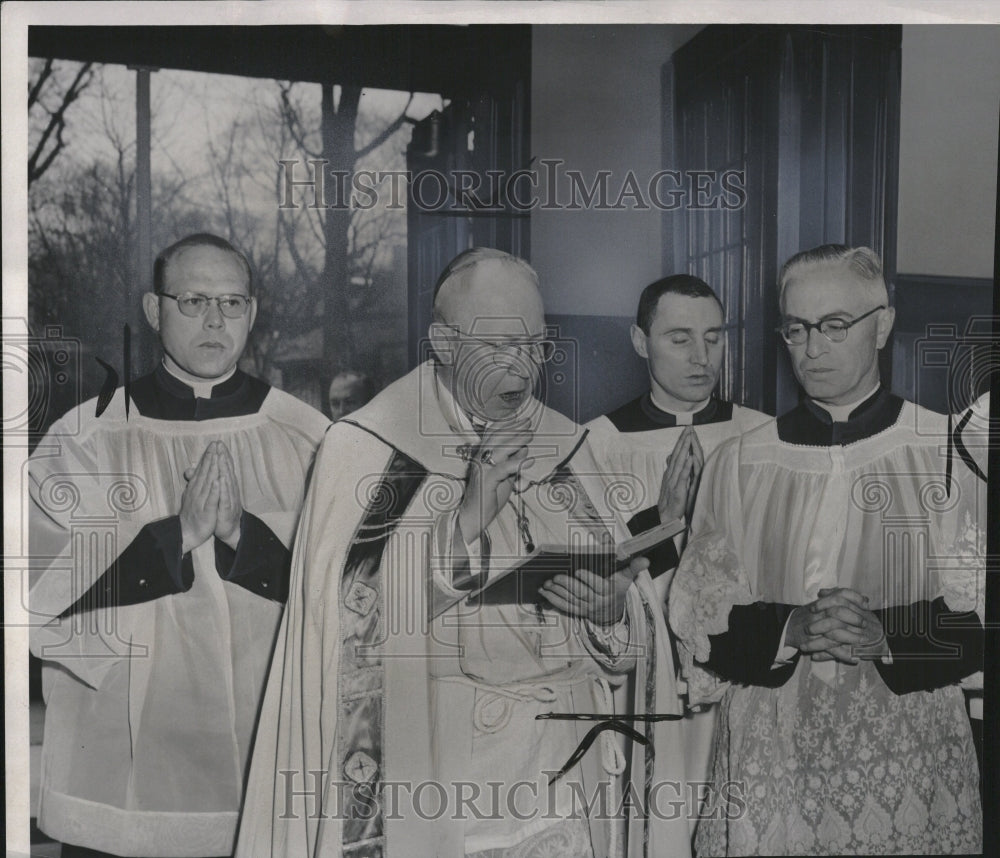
point(863, 262)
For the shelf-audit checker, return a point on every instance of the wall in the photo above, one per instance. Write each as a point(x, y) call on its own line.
point(948, 150)
point(596, 104)
point(949, 105)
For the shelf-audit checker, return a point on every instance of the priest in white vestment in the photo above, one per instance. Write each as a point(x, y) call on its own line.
point(655, 445)
point(388, 728)
point(160, 529)
point(831, 595)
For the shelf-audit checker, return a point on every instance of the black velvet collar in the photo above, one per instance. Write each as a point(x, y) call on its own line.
point(812, 425)
point(162, 396)
point(642, 415)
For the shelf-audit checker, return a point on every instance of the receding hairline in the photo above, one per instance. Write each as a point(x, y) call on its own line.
point(712, 299)
point(456, 281)
point(862, 264)
point(190, 242)
point(875, 289)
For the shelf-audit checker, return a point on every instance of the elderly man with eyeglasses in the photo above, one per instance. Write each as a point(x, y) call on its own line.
point(828, 595)
point(160, 530)
point(401, 720)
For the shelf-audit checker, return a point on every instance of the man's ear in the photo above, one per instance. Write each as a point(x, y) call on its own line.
point(443, 341)
point(639, 341)
point(151, 307)
point(886, 318)
point(253, 313)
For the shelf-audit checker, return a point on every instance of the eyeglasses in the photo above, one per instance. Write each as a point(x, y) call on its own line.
point(835, 330)
point(538, 351)
point(195, 304)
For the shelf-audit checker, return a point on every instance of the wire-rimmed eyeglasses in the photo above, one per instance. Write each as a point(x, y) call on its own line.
point(539, 351)
point(835, 330)
point(195, 304)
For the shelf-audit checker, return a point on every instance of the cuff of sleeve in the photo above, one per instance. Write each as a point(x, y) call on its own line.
point(150, 567)
point(613, 640)
point(225, 558)
point(167, 542)
point(930, 646)
point(458, 566)
point(260, 563)
point(644, 520)
point(786, 654)
point(746, 652)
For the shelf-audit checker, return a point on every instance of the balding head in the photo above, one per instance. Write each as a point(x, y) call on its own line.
point(486, 284)
point(485, 300)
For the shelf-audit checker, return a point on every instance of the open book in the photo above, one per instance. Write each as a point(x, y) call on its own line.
point(519, 584)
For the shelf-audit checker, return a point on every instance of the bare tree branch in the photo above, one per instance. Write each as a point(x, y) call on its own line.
point(300, 264)
point(292, 120)
point(34, 91)
point(386, 132)
point(57, 118)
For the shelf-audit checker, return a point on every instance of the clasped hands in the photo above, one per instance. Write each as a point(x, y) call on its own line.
point(837, 626)
point(211, 504)
point(681, 477)
point(489, 483)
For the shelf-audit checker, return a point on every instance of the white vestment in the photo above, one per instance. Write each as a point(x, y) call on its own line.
point(377, 721)
point(632, 445)
point(830, 760)
point(150, 706)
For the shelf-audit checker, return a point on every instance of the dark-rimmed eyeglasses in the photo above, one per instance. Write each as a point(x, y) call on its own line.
point(195, 304)
point(835, 330)
point(539, 351)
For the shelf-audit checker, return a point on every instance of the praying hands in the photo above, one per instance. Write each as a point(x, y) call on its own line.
point(680, 479)
point(211, 504)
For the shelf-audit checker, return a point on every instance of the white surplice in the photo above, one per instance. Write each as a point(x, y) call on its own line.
point(832, 761)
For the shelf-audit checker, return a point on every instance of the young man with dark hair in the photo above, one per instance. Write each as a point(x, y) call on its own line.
point(662, 438)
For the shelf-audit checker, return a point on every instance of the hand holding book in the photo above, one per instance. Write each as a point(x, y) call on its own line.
point(607, 562)
point(598, 598)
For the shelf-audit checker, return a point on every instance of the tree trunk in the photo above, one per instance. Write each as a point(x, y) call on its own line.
point(339, 348)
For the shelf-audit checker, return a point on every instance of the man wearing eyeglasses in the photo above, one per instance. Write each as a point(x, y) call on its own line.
point(661, 439)
point(161, 523)
point(828, 595)
point(399, 719)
